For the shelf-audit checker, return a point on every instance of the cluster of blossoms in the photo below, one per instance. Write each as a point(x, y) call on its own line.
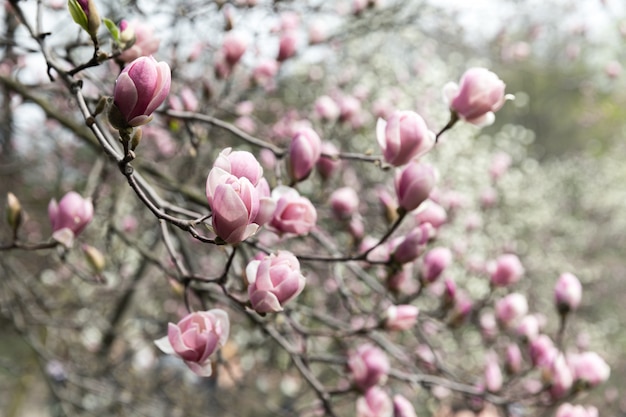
point(241, 203)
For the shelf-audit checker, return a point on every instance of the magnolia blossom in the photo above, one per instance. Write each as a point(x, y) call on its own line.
point(568, 293)
point(140, 89)
point(234, 47)
point(375, 403)
point(195, 338)
point(294, 213)
point(328, 165)
point(506, 270)
point(413, 184)
point(344, 202)
point(304, 152)
point(402, 407)
point(493, 373)
point(480, 94)
point(401, 317)
point(404, 136)
point(435, 262)
point(589, 368)
point(511, 308)
point(273, 281)
point(235, 203)
point(69, 217)
point(368, 366)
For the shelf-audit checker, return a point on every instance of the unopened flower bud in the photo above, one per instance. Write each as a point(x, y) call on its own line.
point(85, 13)
point(94, 258)
point(567, 293)
point(14, 212)
point(401, 317)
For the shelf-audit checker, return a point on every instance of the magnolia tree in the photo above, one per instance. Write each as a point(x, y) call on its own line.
point(247, 214)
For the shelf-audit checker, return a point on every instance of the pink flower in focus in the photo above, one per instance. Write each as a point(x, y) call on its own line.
point(507, 270)
point(568, 293)
point(404, 136)
point(413, 184)
point(139, 90)
point(235, 204)
point(145, 43)
point(240, 164)
point(294, 213)
point(195, 338)
point(69, 217)
point(273, 281)
point(480, 94)
point(401, 317)
point(304, 152)
point(368, 366)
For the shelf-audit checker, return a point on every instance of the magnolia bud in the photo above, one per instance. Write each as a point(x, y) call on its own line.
point(95, 258)
point(14, 212)
point(84, 13)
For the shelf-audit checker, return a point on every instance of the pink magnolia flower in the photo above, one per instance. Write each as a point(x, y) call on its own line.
point(264, 73)
point(401, 317)
point(404, 136)
point(511, 308)
point(145, 43)
point(513, 359)
point(326, 108)
point(344, 202)
point(589, 368)
point(480, 94)
point(560, 377)
point(234, 47)
point(305, 150)
point(528, 327)
point(139, 90)
point(195, 338)
point(368, 366)
point(506, 270)
point(294, 213)
point(568, 293)
point(375, 403)
point(413, 184)
point(326, 165)
point(569, 410)
point(240, 164)
point(287, 45)
point(431, 212)
point(69, 217)
point(493, 373)
point(273, 281)
point(435, 262)
point(412, 245)
point(542, 350)
point(402, 407)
